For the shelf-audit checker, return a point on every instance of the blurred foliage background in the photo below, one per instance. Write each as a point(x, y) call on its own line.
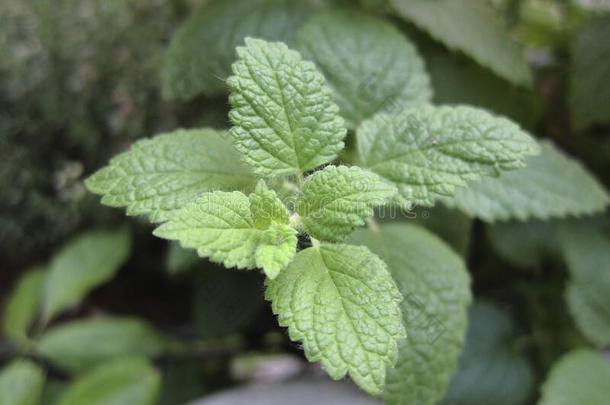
point(82, 80)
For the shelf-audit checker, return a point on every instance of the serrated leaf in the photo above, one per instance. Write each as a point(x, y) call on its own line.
point(589, 96)
point(285, 119)
point(580, 377)
point(490, 371)
point(83, 344)
point(199, 57)
point(82, 264)
point(222, 227)
point(430, 151)
point(335, 200)
point(21, 383)
point(473, 27)
point(276, 249)
point(266, 207)
point(128, 380)
point(23, 304)
point(436, 289)
point(586, 251)
point(161, 174)
point(551, 185)
point(342, 303)
point(368, 63)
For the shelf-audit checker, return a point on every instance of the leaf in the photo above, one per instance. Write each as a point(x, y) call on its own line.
point(285, 119)
point(429, 151)
point(199, 57)
point(473, 27)
point(128, 380)
point(369, 64)
point(335, 200)
point(490, 370)
point(83, 344)
point(162, 174)
point(589, 93)
point(551, 185)
point(82, 264)
point(222, 227)
point(267, 207)
point(342, 303)
point(579, 377)
point(23, 304)
point(452, 226)
point(21, 383)
point(586, 251)
point(436, 289)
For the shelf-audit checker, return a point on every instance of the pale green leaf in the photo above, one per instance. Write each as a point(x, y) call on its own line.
point(342, 303)
point(21, 383)
point(161, 174)
point(130, 380)
point(473, 27)
point(551, 185)
point(589, 96)
point(586, 251)
point(430, 151)
point(491, 369)
point(222, 227)
point(267, 207)
point(285, 119)
point(23, 304)
point(368, 63)
point(201, 52)
point(580, 377)
point(83, 344)
point(436, 289)
point(335, 200)
point(81, 265)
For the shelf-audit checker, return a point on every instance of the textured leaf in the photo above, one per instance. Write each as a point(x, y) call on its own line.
point(81, 265)
point(580, 377)
point(83, 344)
point(23, 304)
point(200, 55)
point(473, 27)
point(222, 227)
point(335, 200)
point(129, 380)
point(285, 119)
point(491, 371)
point(21, 383)
point(589, 96)
point(429, 151)
point(369, 64)
point(436, 290)
point(342, 303)
point(267, 207)
point(586, 251)
point(161, 174)
point(551, 185)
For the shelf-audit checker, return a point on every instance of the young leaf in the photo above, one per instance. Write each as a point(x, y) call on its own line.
point(473, 27)
point(81, 265)
point(161, 174)
point(83, 344)
point(23, 304)
point(429, 151)
point(129, 380)
point(490, 371)
point(436, 289)
point(372, 68)
point(342, 303)
point(285, 119)
point(580, 377)
point(586, 251)
point(21, 383)
point(589, 96)
point(335, 200)
point(551, 185)
point(223, 227)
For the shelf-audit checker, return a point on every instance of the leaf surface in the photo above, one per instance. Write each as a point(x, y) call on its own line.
point(21, 383)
